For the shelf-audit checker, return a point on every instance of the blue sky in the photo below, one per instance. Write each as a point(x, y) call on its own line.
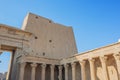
point(5, 59)
point(96, 23)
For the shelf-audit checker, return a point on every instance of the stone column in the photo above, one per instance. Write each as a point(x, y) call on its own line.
point(73, 71)
point(22, 69)
point(83, 73)
point(66, 71)
point(43, 71)
point(60, 72)
point(8, 77)
point(104, 67)
point(117, 59)
point(33, 65)
point(92, 69)
point(52, 71)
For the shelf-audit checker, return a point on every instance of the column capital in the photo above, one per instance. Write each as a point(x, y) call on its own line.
point(66, 71)
point(52, 66)
point(92, 68)
point(83, 73)
point(22, 68)
point(60, 72)
point(116, 56)
point(73, 64)
point(117, 59)
point(60, 67)
point(73, 71)
point(23, 64)
point(91, 59)
point(82, 63)
point(103, 59)
point(43, 71)
point(43, 65)
point(66, 65)
point(33, 65)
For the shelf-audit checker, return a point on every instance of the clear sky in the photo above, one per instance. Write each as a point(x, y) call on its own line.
point(96, 23)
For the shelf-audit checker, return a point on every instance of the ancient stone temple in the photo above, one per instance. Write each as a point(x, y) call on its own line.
point(44, 50)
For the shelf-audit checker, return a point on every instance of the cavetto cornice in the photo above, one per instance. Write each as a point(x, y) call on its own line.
point(95, 53)
point(14, 29)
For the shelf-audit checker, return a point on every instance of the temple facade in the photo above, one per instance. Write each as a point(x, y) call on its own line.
point(44, 50)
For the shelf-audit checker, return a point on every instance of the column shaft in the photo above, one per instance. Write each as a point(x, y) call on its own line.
point(117, 59)
point(92, 69)
point(22, 69)
point(83, 73)
point(104, 67)
point(43, 71)
point(73, 71)
point(66, 71)
point(60, 72)
point(52, 71)
point(33, 65)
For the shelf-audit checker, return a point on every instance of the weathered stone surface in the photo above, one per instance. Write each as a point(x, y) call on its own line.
point(44, 50)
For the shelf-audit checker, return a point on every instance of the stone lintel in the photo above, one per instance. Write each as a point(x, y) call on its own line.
point(38, 60)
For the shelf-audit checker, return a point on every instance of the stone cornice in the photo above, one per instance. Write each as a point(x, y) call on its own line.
point(98, 49)
point(106, 50)
point(38, 60)
point(14, 29)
